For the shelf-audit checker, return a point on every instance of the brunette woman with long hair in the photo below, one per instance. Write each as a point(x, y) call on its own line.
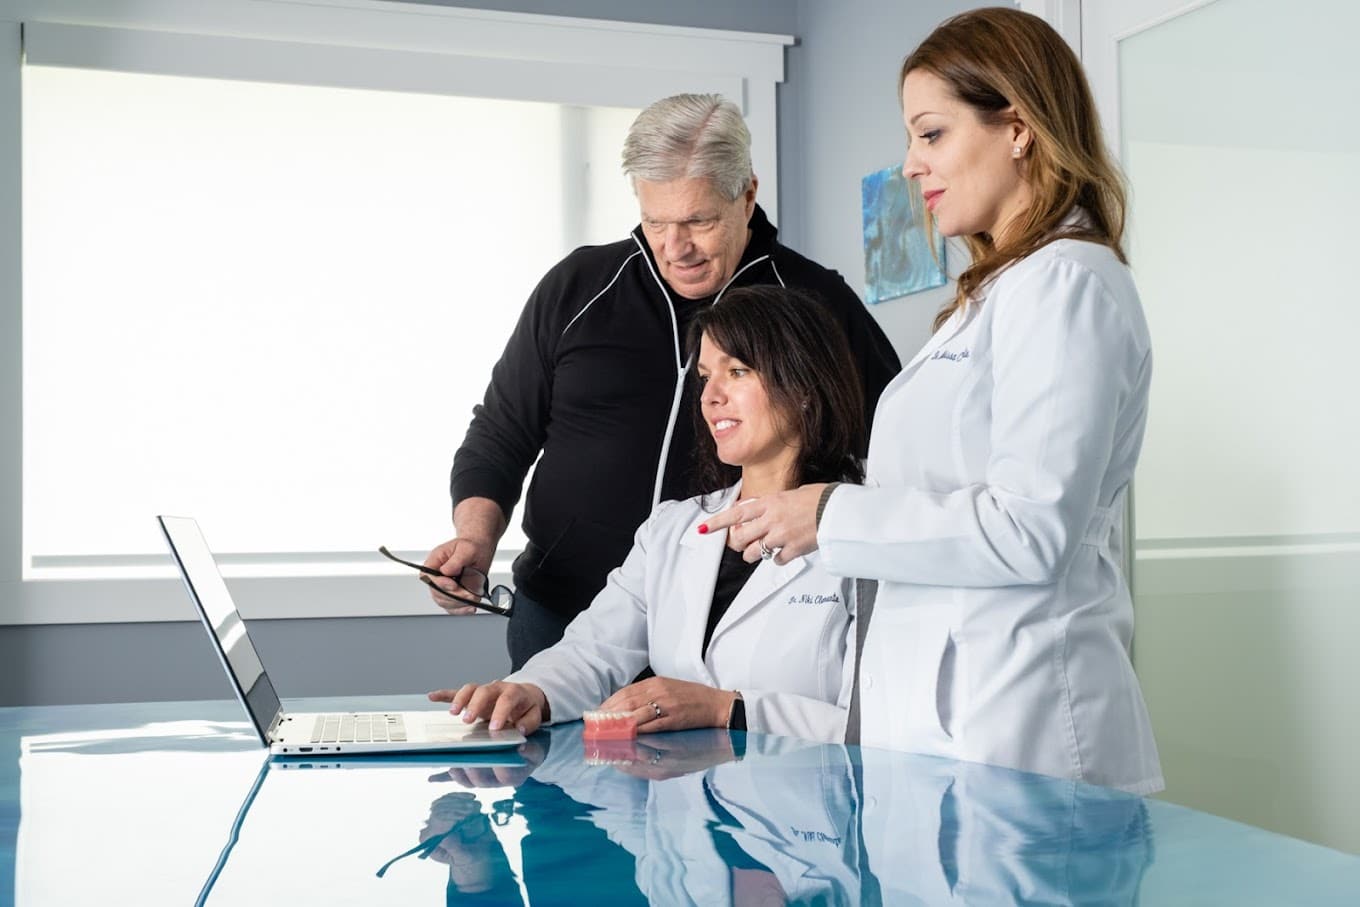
point(1000, 457)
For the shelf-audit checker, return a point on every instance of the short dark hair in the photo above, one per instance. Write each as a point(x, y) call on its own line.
point(801, 355)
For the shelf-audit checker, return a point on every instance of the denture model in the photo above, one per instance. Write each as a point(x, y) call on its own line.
point(609, 726)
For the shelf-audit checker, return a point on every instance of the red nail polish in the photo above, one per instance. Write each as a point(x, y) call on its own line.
point(703, 529)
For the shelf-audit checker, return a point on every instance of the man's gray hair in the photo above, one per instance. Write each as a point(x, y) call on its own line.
point(689, 136)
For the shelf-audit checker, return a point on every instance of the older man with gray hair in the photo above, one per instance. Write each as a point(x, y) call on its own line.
point(592, 383)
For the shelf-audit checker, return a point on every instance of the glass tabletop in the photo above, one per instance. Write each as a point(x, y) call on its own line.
point(176, 803)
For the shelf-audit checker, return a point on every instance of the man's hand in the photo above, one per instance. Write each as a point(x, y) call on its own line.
point(451, 559)
point(466, 842)
point(520, 705)
point(479, 523)
point(682, 704)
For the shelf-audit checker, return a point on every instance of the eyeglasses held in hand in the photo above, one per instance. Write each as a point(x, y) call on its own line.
point(497, 599)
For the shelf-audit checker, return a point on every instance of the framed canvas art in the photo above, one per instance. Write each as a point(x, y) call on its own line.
point(898, 258)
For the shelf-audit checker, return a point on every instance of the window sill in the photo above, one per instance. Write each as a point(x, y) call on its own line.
point(271, 591)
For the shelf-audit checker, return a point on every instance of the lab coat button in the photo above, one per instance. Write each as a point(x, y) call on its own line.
point(867, 681)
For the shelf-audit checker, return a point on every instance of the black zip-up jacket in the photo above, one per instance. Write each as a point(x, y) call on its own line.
point(590, 382)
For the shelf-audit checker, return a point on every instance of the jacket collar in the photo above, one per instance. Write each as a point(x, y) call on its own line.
point(950, 329)
point(763, 243)
point(701, 556)
point(1075, 219)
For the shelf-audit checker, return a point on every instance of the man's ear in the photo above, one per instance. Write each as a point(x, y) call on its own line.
point(751, 197)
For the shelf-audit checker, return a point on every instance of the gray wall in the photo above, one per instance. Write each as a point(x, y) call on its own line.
point(357, 656)
point(839, 121)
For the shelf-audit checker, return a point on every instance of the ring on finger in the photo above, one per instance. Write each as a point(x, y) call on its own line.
point(656, 709)
point(767, 553)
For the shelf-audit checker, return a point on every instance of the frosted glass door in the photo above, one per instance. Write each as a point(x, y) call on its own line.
point(1235, 123)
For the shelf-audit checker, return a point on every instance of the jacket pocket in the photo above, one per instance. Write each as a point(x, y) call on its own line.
point(935, 682)
point(532, 558)
point(583, 552)
point(946, 687)
point(928, 669)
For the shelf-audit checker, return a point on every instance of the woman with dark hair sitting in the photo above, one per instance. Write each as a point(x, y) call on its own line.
point(760, 646)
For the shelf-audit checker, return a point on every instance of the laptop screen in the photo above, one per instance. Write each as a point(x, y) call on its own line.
point(220, 616)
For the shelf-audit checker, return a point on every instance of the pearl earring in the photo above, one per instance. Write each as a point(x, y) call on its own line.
point(1017, 151)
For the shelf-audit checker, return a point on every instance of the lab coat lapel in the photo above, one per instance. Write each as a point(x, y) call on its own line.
point(700, 557)
point(963, 316)
point(947, 332)
point(768, 580)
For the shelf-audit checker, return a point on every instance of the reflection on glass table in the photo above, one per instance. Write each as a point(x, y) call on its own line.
point(184, 807)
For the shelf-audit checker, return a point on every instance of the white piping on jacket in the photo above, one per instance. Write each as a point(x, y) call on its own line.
point(613, 280)
point(683, 368)
point(745, 267)
point(777, 276)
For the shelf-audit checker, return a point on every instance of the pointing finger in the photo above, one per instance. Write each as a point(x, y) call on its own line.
point(741, 512)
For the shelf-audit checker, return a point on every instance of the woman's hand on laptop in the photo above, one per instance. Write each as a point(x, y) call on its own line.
point(500, 704)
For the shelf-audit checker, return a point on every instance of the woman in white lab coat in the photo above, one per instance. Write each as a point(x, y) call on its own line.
point(761, 645)
point(1000, 456)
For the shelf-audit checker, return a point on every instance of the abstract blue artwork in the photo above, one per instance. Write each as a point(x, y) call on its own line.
point(897, 254)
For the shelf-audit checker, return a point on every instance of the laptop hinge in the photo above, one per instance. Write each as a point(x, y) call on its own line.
point(272, 736)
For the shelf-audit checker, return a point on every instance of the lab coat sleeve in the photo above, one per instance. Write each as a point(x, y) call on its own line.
point(605, 646)
point(1066, 358)
point(792, 715)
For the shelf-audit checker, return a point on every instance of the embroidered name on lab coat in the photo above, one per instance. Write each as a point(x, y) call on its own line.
point(952, 357)
point(806, 599)
point(816, 836)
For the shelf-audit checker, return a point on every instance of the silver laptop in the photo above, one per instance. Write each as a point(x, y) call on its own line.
point(306, 733)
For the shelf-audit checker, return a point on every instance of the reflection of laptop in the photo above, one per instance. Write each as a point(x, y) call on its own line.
point(305, 732)
point(419, 760)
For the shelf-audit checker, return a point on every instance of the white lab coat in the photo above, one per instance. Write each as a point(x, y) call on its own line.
point(992, 519)
point(782, 643)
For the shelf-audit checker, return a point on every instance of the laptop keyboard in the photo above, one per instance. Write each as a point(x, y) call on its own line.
point(360, 727)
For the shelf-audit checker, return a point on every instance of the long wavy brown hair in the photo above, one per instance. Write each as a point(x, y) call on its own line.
point(1008, 65)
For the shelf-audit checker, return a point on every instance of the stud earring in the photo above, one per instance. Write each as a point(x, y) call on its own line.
point(1017, 151)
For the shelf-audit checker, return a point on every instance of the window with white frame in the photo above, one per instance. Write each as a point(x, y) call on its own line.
point(264, 277)
point(273, 307)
